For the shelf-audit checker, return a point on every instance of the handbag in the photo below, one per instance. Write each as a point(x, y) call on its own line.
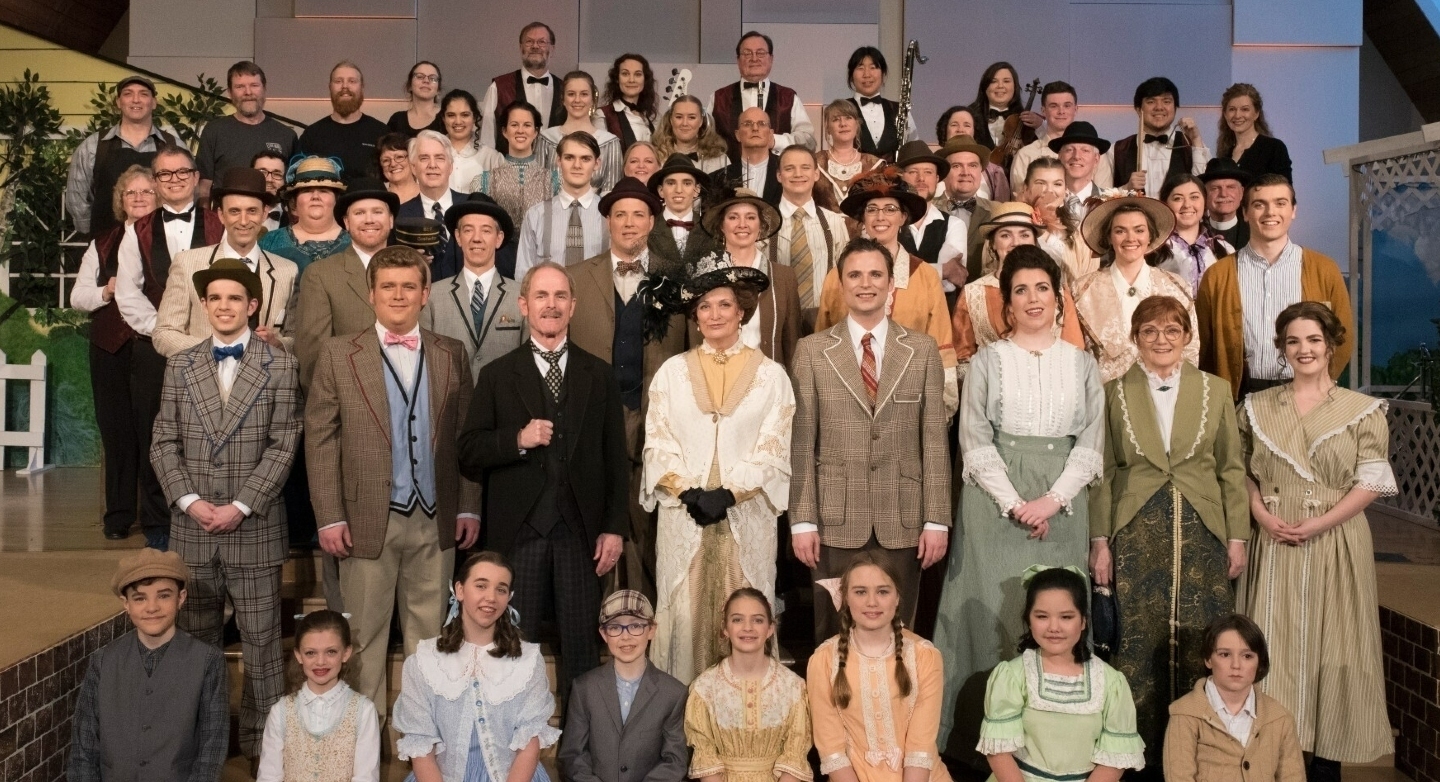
point(1104, 621)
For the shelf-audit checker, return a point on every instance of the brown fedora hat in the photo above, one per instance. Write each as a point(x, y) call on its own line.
point(243, 181)
point(918, 151)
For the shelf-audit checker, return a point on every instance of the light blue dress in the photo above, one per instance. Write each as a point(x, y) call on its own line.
point(492, 706)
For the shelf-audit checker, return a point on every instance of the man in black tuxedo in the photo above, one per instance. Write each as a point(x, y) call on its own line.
point(546, 441)
point(432, 160)
point(757, 166)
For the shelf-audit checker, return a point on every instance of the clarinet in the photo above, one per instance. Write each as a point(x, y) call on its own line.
point(907, 73)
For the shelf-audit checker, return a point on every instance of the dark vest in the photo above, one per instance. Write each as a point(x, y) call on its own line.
point(556, 502)
point(616, 122)
point(155, 254)
point(112, 158)
point(509, 87)
point(109, 331)
point(628, 350)
point(1238, 235)
point(931, 240)
point(889, 141)
point(1125, 161)
point(778, 103)
point(147, 723)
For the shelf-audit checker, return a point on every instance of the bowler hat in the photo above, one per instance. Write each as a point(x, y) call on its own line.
point(1079, 133)
point(480, 204)
point(630, 187)
point(365, 189)
point(964, 144)
point(677, 163)
point(1225, 168)
point(228, 269)
point(242, 181)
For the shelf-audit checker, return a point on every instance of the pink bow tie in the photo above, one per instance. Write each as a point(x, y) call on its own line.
point(410, 341)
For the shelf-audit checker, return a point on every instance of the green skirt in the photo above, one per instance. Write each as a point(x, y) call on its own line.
point(1171, 581)
point(979, 623)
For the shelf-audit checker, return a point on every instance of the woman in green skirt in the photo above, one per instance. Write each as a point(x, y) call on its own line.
point(1031, 429)
point(1169, 521)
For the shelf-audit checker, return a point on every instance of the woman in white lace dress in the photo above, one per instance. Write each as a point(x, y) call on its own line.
point(1031, 428)
point(717, 465)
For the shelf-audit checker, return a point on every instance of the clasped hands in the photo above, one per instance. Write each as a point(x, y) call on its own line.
point(215, 519)
point(707, 507)
point(1036, 515)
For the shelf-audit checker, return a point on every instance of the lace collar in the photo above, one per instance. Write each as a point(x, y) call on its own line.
point(1083, 694)
point(499, 678)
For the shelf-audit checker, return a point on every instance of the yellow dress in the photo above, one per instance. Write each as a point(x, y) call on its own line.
point(748, 730)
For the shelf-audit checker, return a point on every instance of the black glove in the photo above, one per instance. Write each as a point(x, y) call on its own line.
point(713, 504)
point(689, 497)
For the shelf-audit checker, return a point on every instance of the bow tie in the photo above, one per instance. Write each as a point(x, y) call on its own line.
point(868, 101)
point(750, 85)
point(686, 224)
point(169, 215)
point(236, 351)
point(1152, 138)
point(633, 107)
point(968, 205)
point(998, 113)
point(694, 156)
point(276, 215)
point(623, 268)
point(543, 81)
point(410, 341)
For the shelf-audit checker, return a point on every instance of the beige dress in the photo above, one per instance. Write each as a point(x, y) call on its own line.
point(1316, 602)
point(1106, 302)
point(748, 730)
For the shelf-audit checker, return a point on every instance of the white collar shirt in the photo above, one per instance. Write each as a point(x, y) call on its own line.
point(539, 95)
point(178, 233)
point(364, 256)
point(877, 343)
point(543, 365)
point(1237, 725)
point(251, 259)
point(1265, 290)
point(401, 358)
point(428, 205)
point(627, 284)
point(485, 279)
point(226, 368)
point(1164, 393)
point(872, 114)
point(680, 233)
point(755, 175)
point(955, 238)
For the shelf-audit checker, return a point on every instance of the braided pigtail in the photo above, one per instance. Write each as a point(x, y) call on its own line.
point(902, 674)
point(840, 689)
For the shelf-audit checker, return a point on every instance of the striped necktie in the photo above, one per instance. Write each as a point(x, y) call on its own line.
point(801, 260)
point(439, 215)
point(867, 367)
point(477, 308)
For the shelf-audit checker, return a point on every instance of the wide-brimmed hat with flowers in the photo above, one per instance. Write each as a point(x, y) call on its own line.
point(1092, 228)
point(883, 183)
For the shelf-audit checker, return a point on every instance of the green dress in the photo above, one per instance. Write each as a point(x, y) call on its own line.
point(1060, 727)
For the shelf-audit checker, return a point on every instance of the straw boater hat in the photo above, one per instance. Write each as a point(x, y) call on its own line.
point(964, 144)
point(1093, 226)
point(243, 181)
point(363, 190)
point(1010, 213)
point(314, 171)
point(918, 151)
point(228, 269)
point(769, 215)
point(883, 183)
point(480, 204)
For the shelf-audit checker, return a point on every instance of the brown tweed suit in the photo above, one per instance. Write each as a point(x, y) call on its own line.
point(238, 450)
point(333, 299)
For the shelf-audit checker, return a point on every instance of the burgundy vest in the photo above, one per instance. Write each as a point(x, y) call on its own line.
point(778, 103)
point(109, 331)
point(617, 123)
point(149, 229)
point(509, 86)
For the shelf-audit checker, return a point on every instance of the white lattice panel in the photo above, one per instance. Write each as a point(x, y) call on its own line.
point(1396, 188)
point(1415, 457)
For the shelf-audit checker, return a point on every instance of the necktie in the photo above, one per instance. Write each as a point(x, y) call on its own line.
point(543, 81)
point(182, 216)
point(623, 268)
point(1152, 138)
point(867, 367)
point(409, 341)
point(868, 101)
point(574, 237)
point(477, 307)
point(688, 225)
point(553, 375)
point(1072, 204)
point(439, 215)
point(236, 351)
point(801, 260)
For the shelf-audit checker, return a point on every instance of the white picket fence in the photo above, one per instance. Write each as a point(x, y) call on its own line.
point(34, 437)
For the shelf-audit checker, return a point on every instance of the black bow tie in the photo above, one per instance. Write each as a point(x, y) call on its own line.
point(694, 156)
point(276, 215)
point(750, 85)
point(543, 81)
point(868, 101)
point(169, 215)
point(998, 113)
point(686, 224)
point(1153, 138)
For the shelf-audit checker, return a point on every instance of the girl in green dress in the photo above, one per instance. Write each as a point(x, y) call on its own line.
point(1057, 712)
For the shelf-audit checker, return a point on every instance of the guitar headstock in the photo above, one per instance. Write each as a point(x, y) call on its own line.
point(679, 84)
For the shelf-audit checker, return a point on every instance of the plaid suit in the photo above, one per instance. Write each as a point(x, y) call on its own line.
point(235, 451)
point(869, 478)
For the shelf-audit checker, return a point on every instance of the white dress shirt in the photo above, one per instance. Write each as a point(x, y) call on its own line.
point(427, 204)
point(1157, 159)
point(533, 230)
point(626, 285)
point(755, 175)
point(88, 293)
point(873, 115)
point(224, 378)
point(681, 235)
point(955, 238)
point(638, 125)
point(485, 279)
point(135, 308)
point(537, 95)
point(1237, 725)
point(404, 360)
point(801, 131)
point(997, 125)
point(364, 256)
point(251, 258)
point(544, 366)
point(1164, 393)
point(1266, 289)
point(822, 255)
point(319, 714)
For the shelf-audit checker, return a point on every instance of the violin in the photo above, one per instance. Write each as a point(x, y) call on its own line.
point(1012, 139)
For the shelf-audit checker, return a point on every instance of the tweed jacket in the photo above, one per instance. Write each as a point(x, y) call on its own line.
point(240, 450)
point(649, 747)
point(333, 299)
point(593, 327)
point(1222, 321)
point(448, 313)
point(885, 470)
point(180, 320)
point(347, 437)
point(1204, 460)
point(1198, 748)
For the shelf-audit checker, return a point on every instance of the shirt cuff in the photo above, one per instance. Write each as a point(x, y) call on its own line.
point(930, 526)
point(474, 516)
point(245, 509)
point(184, 502)
point(336, 524)
point(803, 527)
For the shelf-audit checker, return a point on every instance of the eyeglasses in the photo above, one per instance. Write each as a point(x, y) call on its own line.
point(616, 630)
point(278, 176)
point(133, 193)
point(179, 174)
point(755, 124)
point(754, 54)
point(425, 78)
point(1170, 333)
point(889, 210)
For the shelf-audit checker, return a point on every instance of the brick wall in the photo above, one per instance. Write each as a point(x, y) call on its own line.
point(1412, 691)
point(37, 697)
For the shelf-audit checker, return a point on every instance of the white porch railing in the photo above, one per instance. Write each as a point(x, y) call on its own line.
point(34, 435)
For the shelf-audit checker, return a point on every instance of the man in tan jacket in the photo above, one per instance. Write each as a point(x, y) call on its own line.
point(869, 463)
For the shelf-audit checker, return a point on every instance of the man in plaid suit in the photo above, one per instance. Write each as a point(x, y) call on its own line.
point(876, 476)
point(223, 444)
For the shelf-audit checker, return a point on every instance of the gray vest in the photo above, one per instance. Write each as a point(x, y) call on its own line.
point(148, 723)
point(412, 454)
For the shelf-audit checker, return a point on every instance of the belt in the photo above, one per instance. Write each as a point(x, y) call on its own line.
point(1043, 774)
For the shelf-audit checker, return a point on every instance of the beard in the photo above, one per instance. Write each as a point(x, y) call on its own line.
point(346, 103)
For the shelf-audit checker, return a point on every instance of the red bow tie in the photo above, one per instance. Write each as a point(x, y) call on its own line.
point(686, 224)
point(410, 341)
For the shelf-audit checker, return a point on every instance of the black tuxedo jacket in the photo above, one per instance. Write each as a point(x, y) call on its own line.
point(447, 260)
point(508, 395)
point(735, 174)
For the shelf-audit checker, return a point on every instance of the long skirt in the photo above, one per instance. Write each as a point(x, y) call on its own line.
point(1171, 582)
point(979, 623)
